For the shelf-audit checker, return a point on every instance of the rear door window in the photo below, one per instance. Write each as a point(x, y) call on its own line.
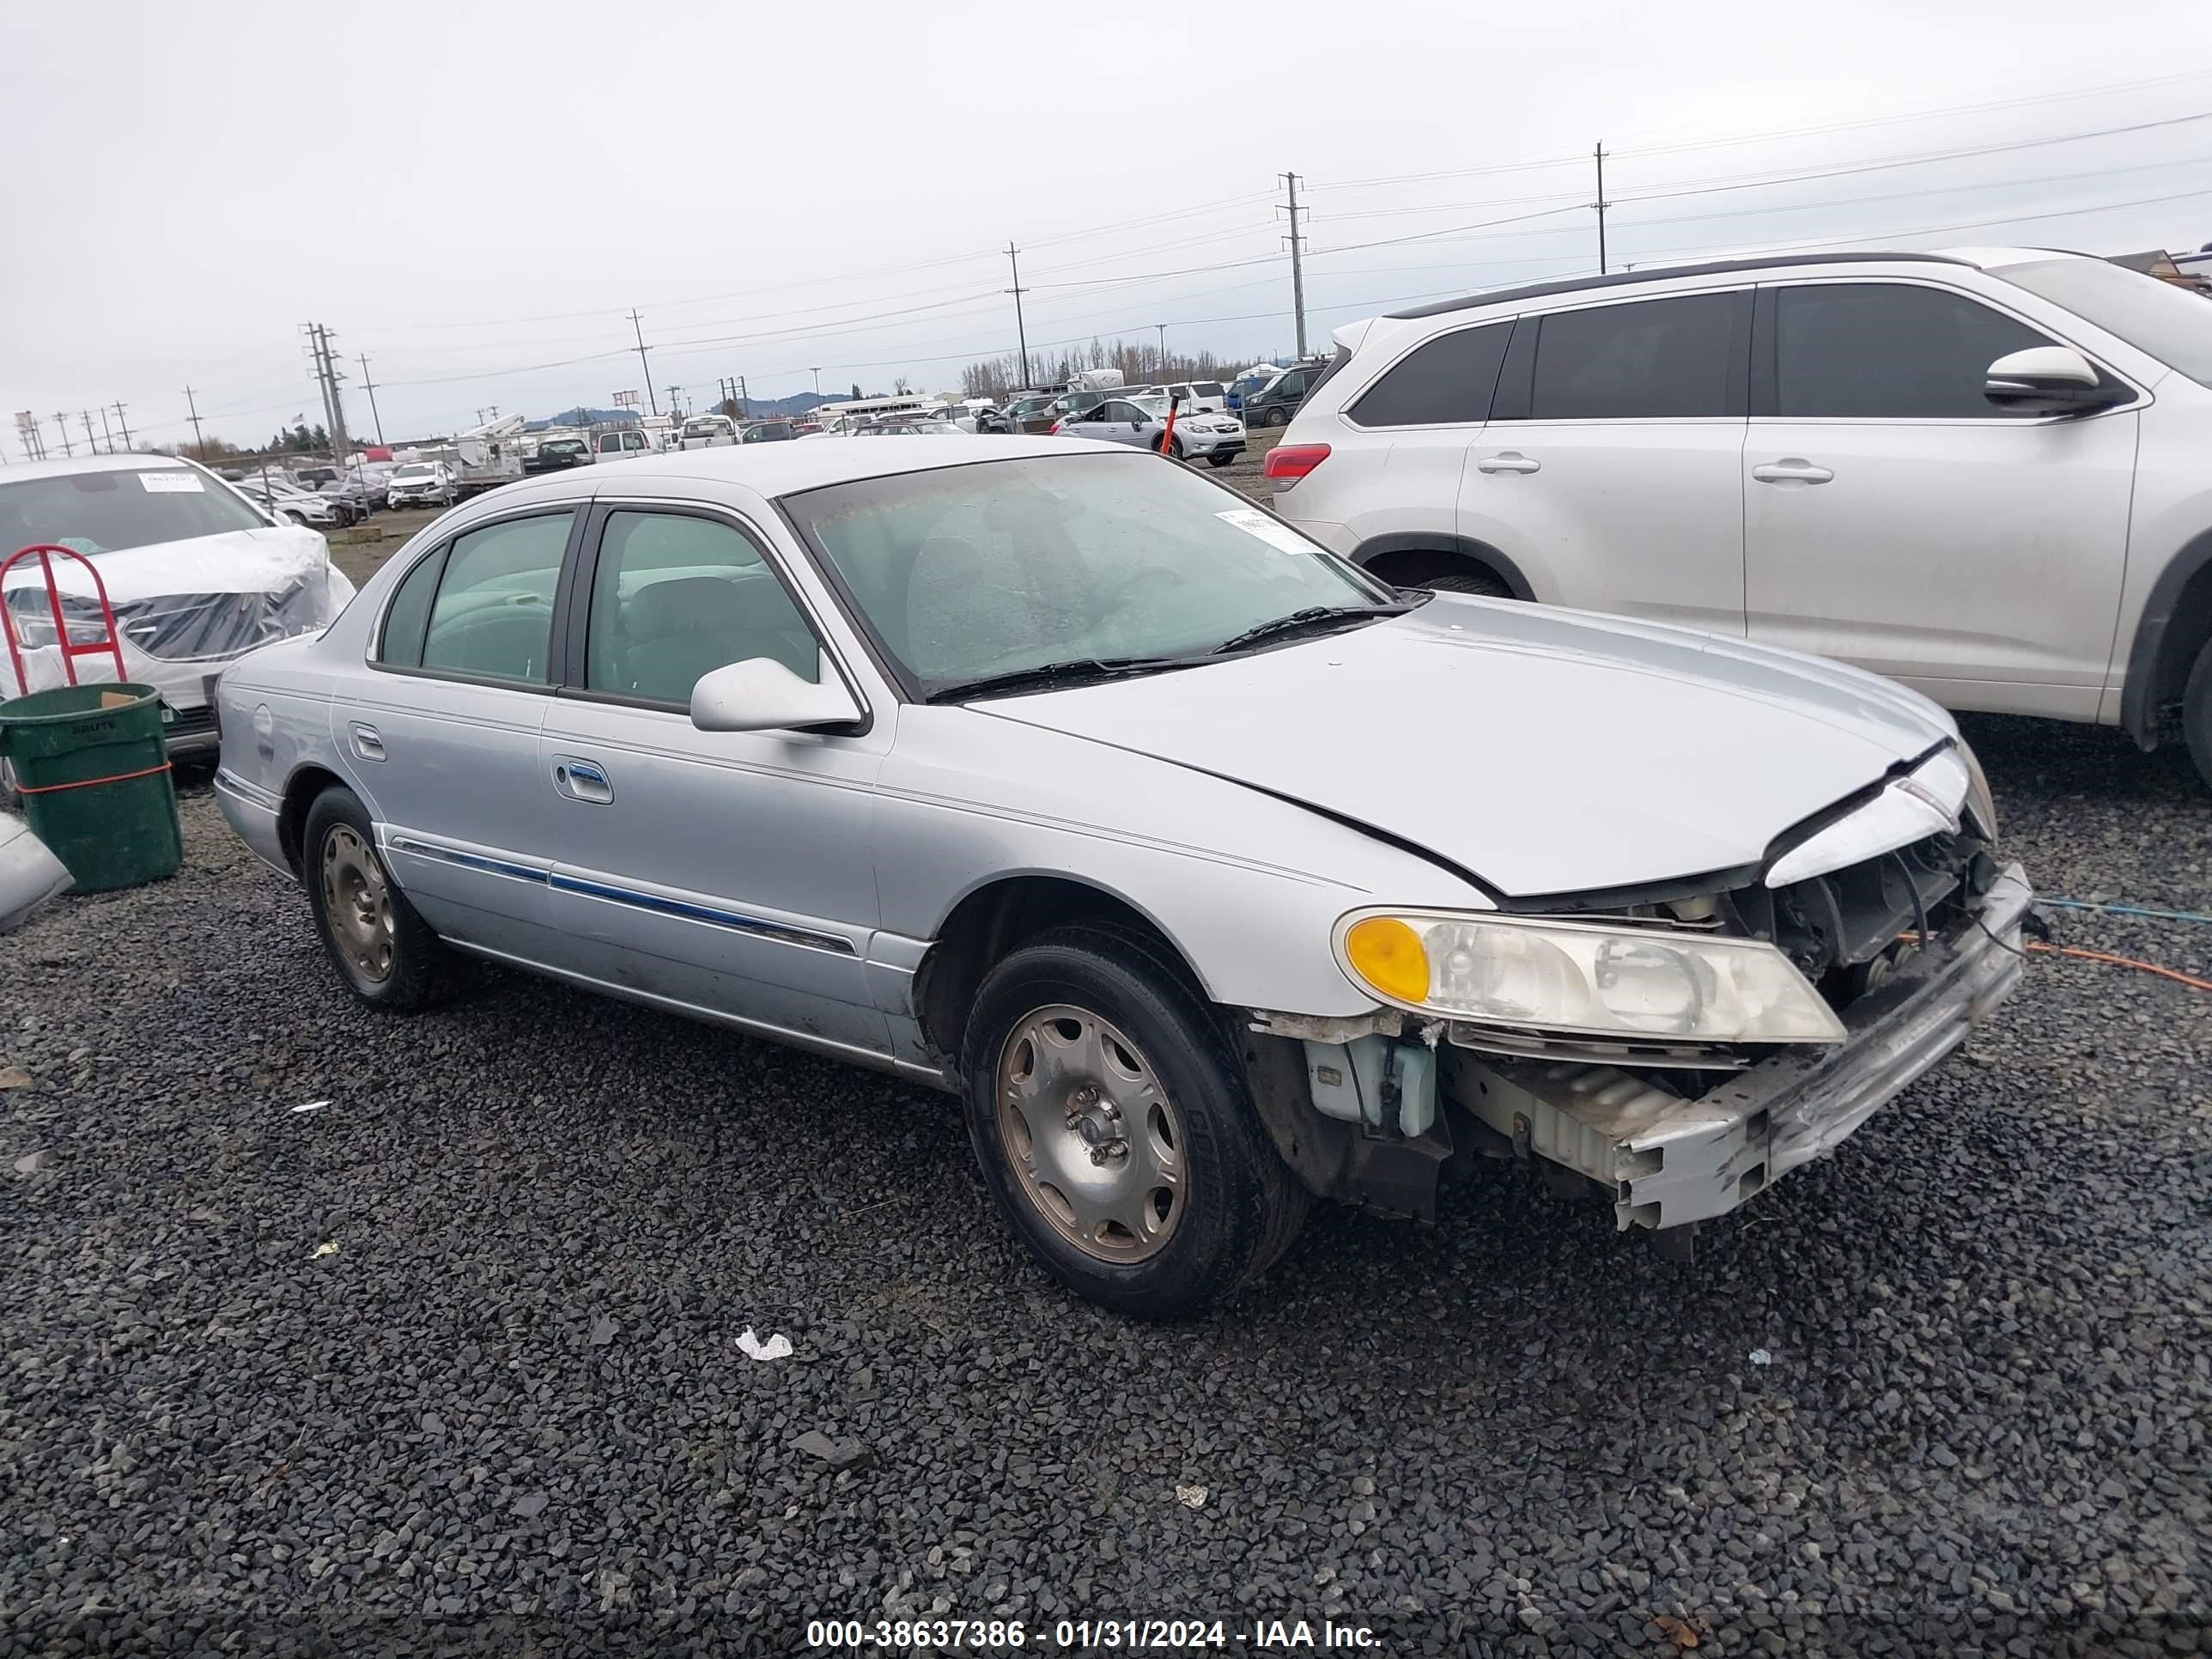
point(1652, 359)
point(1889, 350)
point(494, 613)
point(1448, 380)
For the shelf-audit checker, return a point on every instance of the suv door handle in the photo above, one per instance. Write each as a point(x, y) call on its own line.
point(1507, 460)
point(1791, 469)
point(583, 780)
point(366, 742)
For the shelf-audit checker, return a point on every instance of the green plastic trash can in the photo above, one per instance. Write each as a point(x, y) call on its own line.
point(93, 771)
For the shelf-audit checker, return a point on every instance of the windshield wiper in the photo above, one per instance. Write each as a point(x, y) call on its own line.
point(1048, 675)
point(1313, 617)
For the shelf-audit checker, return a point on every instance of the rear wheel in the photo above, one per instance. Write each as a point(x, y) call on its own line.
point(2196, 713)
point(300, 518)
point(385, 952)
point(1278, 417)
point(1116, 1129)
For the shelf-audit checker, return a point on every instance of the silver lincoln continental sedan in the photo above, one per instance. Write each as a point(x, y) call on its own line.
point(1211, 874)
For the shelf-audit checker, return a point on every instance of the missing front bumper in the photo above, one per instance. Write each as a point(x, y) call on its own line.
point(1669, 1161)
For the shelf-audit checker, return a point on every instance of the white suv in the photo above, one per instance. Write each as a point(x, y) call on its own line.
point(1987, 472)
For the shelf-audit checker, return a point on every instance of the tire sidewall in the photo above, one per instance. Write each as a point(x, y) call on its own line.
point(1215, 1237)
point(416, 949)
point(2197, 714)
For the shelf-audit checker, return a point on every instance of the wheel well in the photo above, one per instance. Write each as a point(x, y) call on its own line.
point(299, 794)
point(992, 922)
point(2182, 632)
point(1410, 564)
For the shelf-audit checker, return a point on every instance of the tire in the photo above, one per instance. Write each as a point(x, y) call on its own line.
point(1233, 1205)
point(1467, 581)
point(1222, 457)
point(382, 932)
point(2196, 713)
point(1277, 417)
point(1175, 450)
point(300, 518)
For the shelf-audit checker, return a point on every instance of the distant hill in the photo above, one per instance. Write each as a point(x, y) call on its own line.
point(760, 408)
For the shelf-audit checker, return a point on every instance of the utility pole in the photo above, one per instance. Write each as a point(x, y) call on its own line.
point(1601, 207)
point(199, 441)
point(1298, 262)
point(818, 386)
point(369, 386)
point(326, 372)
point(1163, 328)
point(638, 328)
point(744, 403)
point(1021, 329)
point(125, 425)
point(106, 431)
point(61, 426)
point(91, 448)
point(676, 402)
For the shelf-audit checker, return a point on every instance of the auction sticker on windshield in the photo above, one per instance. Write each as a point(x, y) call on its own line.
point(1253, 522)
point(169, 483)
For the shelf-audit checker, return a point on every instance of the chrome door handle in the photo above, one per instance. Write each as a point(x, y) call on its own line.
point(1507, 460)
point(366, 742)
point(1791, 469)
point(583, 780)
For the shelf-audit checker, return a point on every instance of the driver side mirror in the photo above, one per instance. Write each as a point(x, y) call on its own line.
point(2048, 380)
point(760, 694)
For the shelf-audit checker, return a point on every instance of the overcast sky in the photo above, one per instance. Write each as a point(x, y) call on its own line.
point(476, 195)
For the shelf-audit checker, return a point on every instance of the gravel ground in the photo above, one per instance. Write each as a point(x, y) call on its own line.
point(451, 1363)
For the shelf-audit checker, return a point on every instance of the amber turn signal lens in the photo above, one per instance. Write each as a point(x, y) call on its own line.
point(1388, 954)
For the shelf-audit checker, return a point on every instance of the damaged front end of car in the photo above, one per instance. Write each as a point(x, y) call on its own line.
point(1677, 1050)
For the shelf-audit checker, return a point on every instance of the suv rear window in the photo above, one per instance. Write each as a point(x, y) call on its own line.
point(1649, 359)
point(1446, 380)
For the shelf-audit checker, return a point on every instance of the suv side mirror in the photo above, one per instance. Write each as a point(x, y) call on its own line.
point(760, 694)
point(2047, 380)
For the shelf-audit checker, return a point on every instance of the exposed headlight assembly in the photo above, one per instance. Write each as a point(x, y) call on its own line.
point(1584, 977)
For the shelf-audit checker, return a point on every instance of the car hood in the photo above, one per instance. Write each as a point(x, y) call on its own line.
point(236, 562)
point(1546, 752)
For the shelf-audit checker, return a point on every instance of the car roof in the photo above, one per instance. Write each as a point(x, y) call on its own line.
point(1662, 274)
point(776, 469)
point(22, 471)
point(1983, 258)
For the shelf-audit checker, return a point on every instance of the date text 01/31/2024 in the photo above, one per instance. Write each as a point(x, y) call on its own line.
point(993, 1635)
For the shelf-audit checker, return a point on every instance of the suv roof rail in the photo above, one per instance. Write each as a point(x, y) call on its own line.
point(1661, 273)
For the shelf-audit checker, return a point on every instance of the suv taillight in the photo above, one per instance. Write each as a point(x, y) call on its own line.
point(1295, 461)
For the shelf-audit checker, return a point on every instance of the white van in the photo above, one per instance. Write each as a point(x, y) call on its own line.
point(625, 445)
point(1201, 397)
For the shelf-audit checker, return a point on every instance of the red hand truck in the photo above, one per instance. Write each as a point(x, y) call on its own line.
point(71, 649)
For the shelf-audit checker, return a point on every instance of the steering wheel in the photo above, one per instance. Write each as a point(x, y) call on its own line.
point(1158, 573)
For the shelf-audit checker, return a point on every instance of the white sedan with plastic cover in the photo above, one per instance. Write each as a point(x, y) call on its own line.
point(196, 574)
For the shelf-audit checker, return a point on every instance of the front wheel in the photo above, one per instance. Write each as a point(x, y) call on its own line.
point(385, 952)
point(2196, 713)
point(1221, 457)
point(1116, 1129)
